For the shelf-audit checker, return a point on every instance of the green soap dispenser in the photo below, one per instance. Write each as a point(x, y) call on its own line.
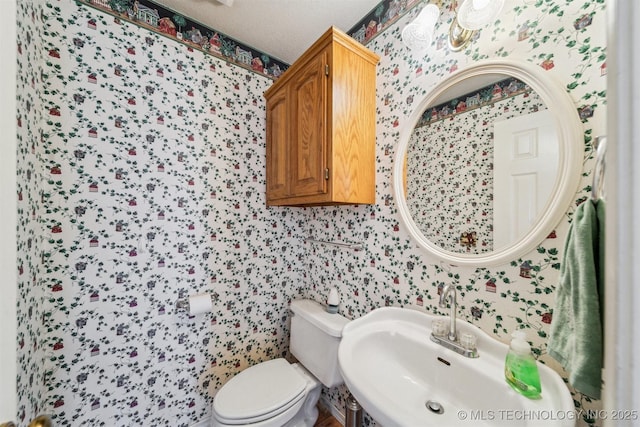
point(521, 369)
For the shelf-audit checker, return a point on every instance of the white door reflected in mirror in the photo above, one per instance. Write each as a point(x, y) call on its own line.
point(525, 165)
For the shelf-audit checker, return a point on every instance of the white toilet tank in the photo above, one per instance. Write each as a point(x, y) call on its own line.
point(315, 335)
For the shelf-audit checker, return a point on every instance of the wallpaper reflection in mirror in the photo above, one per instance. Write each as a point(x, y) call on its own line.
point(450, 165)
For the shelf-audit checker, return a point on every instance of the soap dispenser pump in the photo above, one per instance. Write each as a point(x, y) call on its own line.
point(521, 369)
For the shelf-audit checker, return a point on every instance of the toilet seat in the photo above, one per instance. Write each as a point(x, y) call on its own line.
point(259, 393)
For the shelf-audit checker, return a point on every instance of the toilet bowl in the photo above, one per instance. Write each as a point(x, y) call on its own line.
point(271, 394)
point(277, 393)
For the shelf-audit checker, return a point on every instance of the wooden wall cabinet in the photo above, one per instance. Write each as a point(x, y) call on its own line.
point(321, 126)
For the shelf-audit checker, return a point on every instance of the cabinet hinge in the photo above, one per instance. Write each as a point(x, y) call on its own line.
point(326, 69)
point(326, 173)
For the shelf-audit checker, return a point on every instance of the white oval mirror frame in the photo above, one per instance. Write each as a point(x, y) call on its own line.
point(570, 138)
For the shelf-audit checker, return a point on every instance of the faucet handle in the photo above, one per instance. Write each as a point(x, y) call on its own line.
point(468, 341)
point(439, 327)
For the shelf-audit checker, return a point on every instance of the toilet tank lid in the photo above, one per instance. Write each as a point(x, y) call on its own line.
point(317, 315)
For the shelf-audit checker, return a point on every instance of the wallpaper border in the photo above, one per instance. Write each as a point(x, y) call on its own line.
point(159, 19)
point(162, 20)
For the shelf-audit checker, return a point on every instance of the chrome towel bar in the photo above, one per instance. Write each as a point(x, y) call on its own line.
point(355, 246)
point(597, 187)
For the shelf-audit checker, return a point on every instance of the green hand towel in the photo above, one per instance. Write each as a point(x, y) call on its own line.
point(576, 337)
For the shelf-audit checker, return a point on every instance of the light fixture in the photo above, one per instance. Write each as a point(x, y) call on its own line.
point(418, 34)
point(472, 15)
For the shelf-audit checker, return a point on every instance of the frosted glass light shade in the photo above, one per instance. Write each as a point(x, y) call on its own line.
point(418, 34)
point(475, 14)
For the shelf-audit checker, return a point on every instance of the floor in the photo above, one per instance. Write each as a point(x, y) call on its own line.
point(325, 419)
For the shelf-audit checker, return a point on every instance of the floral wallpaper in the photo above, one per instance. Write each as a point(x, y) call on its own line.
point(450, 170)
point(157, 18)
point(567, 40)
point(141, 181)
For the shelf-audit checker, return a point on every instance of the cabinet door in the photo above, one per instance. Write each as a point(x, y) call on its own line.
point(277, 146)
point(308, 153)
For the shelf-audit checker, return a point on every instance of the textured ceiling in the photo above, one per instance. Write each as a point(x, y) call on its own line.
point(283, 29)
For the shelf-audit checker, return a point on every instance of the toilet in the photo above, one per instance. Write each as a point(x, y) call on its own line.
point(277, 393)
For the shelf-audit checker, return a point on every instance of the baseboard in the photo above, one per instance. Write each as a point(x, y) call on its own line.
point(335, 412)
point(338, 414)
point(203, 423)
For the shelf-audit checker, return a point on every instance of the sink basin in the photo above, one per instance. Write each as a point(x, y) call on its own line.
point(392, 368)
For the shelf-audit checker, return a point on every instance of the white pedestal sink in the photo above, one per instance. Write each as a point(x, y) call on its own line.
point(393, 369)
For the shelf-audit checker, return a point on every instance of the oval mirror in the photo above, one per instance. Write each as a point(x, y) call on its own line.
point(489, 163)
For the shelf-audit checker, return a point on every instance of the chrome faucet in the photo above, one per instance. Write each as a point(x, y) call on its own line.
point(451, 340)
point(449, 292)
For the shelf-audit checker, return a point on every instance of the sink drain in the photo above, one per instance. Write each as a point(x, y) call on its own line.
point(434, 407)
